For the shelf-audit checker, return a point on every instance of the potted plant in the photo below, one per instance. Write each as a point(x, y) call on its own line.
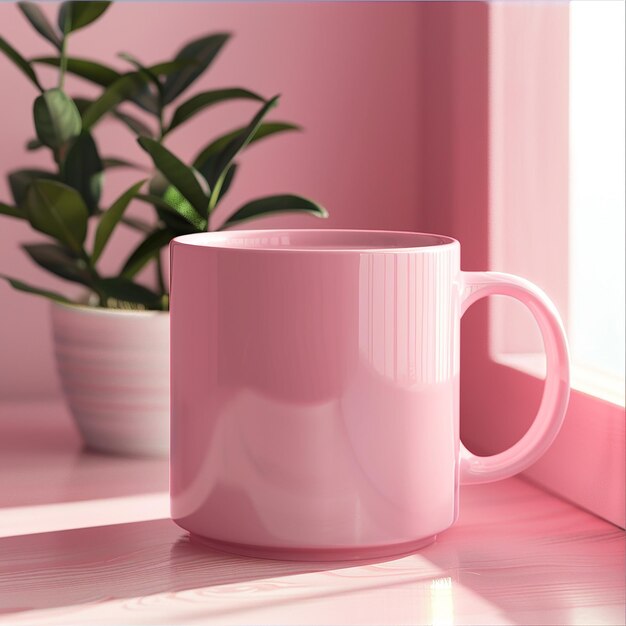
point(112, 345)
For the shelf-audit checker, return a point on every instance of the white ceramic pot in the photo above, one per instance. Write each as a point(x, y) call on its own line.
point(114, 370)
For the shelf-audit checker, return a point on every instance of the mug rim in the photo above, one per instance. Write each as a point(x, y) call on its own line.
point(227, 240)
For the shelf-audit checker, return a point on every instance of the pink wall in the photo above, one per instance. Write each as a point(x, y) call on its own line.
point(348, 72)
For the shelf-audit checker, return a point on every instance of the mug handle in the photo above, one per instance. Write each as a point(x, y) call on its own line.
point(544, 429)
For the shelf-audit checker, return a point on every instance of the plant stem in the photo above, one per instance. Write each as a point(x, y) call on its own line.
point(63, 59)
point(63, 62)
point(160, 107)
point(215, 192)
point(161, 125)
point(95, 278)
point(161, 122)
point(159, 275)
point(159, 262)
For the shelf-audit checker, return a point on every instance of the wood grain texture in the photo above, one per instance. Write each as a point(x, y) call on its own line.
point(517, 555)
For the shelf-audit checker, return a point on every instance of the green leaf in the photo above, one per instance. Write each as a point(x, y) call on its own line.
point(142, 69)
point(177, 213)
point(82, 104)
point(148, 100)
point(20, 286)
point(121, 290)
point(110, 219)
point(222, 186)
point(20, 61)
point(224, 158)
point(178, 174)
point(40, 23)
point(33, 144)
point(90, 70)
point(105, 76)
point(177, 206)
point(60, 261)
point(83, 169)
point(167, 214)
point(165, 68)
point(275, 204)
point(202, 51)
point(177, 224)
point(21, 180)
point(228, 179)
point(264, 130)
point(137, 224)
point(180, 205)
point(133, 222)
point(241, 140)
point(135, 124)
point(124, 88)
point(145, 252)
point(11, 211)
point(57, 210)
point(76, 15)
point(206, 99)
point(113, 162)
point(57, 119)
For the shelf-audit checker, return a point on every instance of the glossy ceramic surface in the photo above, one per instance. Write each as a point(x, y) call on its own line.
point(315, 389)
point(114, 371)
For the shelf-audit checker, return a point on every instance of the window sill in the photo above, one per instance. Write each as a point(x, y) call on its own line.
point(587, 380)
point(590, 449)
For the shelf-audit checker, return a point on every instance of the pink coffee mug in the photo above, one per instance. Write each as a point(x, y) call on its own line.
point(315, 390)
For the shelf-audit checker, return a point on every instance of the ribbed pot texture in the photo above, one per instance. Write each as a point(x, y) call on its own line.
point(114, 370)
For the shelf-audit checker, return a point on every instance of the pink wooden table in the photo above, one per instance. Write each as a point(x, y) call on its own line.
point(85, 539)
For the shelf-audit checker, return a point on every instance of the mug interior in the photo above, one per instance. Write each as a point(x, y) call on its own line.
point(316, 239)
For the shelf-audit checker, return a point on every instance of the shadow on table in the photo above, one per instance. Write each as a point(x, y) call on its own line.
point(72, 567)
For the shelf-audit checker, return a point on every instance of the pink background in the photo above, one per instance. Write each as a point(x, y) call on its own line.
point(348, 72)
